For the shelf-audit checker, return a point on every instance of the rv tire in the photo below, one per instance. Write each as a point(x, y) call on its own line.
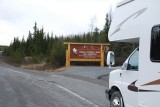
point(116, 100)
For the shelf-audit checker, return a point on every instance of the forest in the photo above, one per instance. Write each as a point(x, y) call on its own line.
point(44, 47)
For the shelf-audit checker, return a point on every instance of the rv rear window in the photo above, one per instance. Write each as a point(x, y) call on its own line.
point(155, 44)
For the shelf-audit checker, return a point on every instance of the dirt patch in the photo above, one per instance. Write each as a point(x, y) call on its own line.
point(8, 61)
point(42, 67)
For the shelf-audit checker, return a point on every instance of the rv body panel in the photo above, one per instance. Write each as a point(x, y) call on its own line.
point(115, 75)
point(149, 76)
point(133, 23)
point(132, 17)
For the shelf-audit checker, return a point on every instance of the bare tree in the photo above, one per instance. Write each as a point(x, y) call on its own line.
point(92, 25)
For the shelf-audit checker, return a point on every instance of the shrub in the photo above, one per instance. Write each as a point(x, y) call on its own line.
point(17, 57)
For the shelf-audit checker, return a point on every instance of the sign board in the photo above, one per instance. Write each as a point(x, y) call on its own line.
point(80, 51)
point(85, 52)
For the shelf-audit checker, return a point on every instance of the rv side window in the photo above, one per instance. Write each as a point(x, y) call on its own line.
point(155, 44)
point(133, 61)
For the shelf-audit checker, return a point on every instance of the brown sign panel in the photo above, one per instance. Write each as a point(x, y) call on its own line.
point(85, 51)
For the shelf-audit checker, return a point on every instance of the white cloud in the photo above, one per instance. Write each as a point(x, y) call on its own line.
point(65, 17)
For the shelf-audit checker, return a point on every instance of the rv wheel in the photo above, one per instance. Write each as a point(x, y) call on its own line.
point(116, 100)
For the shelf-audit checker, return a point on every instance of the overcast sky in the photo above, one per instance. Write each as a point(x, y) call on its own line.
point(62, 17)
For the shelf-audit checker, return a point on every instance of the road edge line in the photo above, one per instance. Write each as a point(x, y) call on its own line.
point(77, 95)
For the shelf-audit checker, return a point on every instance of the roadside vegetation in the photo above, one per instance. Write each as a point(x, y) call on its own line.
point(42, 47)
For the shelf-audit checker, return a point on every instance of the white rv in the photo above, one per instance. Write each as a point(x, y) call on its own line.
point(137, 84)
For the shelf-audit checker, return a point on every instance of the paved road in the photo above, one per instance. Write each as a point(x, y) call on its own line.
point(26, 88)
point(90, 72)
point(99, 75)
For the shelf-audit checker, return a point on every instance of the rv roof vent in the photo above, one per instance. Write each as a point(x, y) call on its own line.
point(124, 2)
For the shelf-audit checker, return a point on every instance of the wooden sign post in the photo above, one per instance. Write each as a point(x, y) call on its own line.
point(93, 52)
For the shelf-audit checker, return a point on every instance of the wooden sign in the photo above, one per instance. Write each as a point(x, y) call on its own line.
point(86, 52)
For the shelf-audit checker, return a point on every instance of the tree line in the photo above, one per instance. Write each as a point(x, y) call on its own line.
point(41, 46)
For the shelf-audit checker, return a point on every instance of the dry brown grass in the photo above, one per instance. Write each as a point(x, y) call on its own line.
point(40, 66)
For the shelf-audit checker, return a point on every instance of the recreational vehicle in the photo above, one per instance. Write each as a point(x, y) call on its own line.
point(137, 83)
